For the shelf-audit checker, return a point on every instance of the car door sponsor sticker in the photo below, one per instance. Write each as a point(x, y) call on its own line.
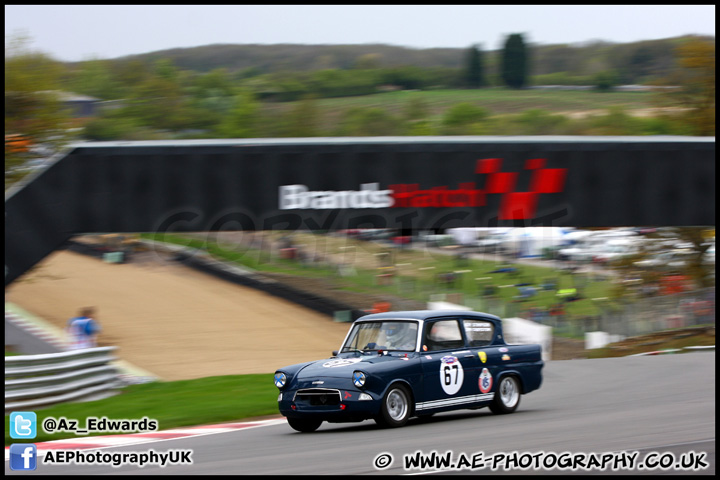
point(485, 381)
point(451, 374)
point(341, 362)
point(483, 356)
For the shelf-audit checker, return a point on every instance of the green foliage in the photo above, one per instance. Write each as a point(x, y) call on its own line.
point(415, 109)
point(171, 96)
point(241, 119)
point(174, 404)
point(665, 125)
point(342, 83)
point(372, 122)
point(605, 81)
point(419, 128)
point(474, 72)
point(562, 78)
point(515, 62)
point(695, 76)
point(303, 119)
point(616, 122)
point(159, 103)
point(541, 122)
point(640, 61)
point(460, 118)
point(108, 129)
point(405, 77)
point(216, 83)
point(33, 106)
point(94, 78)
point(130, 73)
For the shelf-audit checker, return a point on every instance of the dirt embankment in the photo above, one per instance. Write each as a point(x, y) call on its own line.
point(175, 322)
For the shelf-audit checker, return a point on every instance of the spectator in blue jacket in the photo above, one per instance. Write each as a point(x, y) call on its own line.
point(83, 329)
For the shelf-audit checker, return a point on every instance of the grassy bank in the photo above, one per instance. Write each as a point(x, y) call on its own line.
point(497, 101)
point(173, 404)
point(416, 272)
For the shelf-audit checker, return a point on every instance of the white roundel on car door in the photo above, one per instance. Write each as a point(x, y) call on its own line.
point(451, 374)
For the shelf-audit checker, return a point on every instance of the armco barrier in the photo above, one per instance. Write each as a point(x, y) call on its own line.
point(37, 381)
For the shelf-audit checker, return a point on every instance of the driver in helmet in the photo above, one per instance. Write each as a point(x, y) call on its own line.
point(400, 336)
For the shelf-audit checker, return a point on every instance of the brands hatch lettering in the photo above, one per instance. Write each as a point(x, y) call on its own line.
point(300, 196)
point(514, 205)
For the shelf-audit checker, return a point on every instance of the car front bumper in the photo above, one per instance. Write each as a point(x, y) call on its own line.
point(329, 404)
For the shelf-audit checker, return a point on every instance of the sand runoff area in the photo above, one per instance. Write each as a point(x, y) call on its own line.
point(175, 322)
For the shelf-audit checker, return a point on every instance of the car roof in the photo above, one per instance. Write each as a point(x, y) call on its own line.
point(425, 314)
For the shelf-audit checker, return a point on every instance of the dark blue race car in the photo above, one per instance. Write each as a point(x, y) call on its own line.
point(396, 365)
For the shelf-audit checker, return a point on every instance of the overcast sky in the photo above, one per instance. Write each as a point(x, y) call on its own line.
point(81, 32)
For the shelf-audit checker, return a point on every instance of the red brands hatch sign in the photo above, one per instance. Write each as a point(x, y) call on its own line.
point(513, 206)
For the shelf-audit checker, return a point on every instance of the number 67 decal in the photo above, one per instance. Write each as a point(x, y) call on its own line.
point(451, 374)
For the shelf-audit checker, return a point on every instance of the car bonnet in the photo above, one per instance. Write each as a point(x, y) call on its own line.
point(343, 367)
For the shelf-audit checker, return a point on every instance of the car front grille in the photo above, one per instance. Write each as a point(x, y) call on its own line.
point(318, 396)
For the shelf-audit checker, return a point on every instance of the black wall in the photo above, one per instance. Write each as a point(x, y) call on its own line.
point(234, 185)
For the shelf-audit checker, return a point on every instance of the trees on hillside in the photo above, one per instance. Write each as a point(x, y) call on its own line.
point(515, 62)
point(695, 76)
point(33, 108)
point(474, 71)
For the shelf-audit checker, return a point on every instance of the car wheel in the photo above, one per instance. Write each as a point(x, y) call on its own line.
point(304, 425)
point(507, 396)
point(395, 408)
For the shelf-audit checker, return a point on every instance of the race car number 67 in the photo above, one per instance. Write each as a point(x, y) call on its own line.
point(451, 377)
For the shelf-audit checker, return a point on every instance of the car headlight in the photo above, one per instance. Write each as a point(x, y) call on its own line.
point(359, 379)
point(280, 379)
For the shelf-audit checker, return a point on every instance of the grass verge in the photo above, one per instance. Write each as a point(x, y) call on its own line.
point(654, 342)
point(417, 279)
point(173, 404)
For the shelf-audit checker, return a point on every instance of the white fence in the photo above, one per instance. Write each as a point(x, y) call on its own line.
point(38, 381)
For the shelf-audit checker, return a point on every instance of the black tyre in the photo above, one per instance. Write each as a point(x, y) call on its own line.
point(396, 407)
point(304, 425)
point(507, 396)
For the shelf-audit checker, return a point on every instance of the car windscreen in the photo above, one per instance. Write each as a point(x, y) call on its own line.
point(386, 335)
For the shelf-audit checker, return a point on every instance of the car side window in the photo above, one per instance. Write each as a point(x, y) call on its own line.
point(442, 335)
point(478, 332)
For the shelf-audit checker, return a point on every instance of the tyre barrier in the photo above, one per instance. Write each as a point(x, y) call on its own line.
point(242, 277)
point(38, 381)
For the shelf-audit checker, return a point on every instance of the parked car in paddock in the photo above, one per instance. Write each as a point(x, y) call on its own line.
point(396, 365)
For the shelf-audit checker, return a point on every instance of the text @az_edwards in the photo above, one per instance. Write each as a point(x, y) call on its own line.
point(98, 425)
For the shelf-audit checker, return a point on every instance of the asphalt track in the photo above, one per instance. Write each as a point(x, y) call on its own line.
point(26, 343)
point(650, 404)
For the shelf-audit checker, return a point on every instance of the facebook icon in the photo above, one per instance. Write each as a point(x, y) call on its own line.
point(23, 456)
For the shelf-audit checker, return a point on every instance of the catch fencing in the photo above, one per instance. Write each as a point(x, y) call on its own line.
point(656, 313)
point(38, 381)
point(639, 316)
